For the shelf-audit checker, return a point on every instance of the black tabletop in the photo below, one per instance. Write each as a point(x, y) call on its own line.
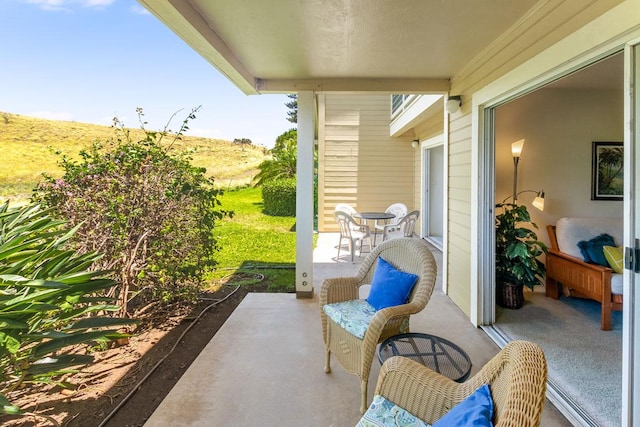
point(374, 215)
point(436, 353)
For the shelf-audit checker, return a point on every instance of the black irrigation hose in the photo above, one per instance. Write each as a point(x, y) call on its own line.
point(139, 384)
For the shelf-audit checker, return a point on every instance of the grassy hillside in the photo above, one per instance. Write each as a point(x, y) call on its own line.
point(28, 146)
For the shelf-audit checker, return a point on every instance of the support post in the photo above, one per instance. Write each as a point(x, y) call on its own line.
point(304, 195)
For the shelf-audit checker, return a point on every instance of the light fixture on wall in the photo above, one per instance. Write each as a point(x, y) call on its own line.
point(516, 151)
point(453, 104)
point(415, 143)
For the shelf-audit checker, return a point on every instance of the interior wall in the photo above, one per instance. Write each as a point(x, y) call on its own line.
point(559, 126)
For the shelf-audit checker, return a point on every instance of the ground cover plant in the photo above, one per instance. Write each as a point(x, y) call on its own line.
point(50, 302)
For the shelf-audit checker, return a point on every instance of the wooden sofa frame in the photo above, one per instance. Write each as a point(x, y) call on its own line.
point(580, 279)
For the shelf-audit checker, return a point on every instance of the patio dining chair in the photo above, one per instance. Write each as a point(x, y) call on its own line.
point(354, 233)
point(399, 210)
point(353, 327)
point(404, 227)
point(345, 207)
point(516, 379)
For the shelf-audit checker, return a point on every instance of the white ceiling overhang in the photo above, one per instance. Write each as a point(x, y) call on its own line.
point(282, 46)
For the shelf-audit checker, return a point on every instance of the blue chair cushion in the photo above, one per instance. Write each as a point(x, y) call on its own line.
point(384, 413)
point(475, 410)
point(353, 316)
point(390, 286)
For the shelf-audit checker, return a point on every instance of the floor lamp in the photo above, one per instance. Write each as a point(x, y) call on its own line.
point(516, 151)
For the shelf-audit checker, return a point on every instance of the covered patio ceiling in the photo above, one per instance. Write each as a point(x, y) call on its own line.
point(414, 46)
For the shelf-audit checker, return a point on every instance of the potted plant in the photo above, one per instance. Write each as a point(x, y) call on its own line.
point(517, 252)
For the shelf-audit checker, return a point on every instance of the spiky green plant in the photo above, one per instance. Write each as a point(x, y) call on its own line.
point(50, 302)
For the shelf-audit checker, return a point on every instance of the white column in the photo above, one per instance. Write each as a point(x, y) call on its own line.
point(304, 195)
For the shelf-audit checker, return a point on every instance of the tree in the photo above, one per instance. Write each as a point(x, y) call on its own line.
point(282, 165)
point(290, 134)
point(292, 115)
point(242, 142)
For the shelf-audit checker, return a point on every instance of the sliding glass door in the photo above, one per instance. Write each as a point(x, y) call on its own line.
point(631, 309)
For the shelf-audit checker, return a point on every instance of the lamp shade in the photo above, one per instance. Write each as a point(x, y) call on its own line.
point(538, 202)
point(516, 148)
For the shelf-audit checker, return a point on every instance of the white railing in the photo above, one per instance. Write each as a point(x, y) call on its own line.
point(399, 103)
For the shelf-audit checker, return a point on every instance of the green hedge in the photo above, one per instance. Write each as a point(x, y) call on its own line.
point(279, 197)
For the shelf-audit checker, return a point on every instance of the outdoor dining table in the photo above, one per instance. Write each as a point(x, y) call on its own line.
point(374, 216)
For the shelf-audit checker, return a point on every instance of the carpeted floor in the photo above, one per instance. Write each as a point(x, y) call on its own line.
point(585, 362)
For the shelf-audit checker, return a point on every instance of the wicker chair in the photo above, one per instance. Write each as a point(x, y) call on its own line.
point(517, 378)
point(355, 355)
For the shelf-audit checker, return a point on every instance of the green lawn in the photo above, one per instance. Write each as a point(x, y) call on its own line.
point(254, 244)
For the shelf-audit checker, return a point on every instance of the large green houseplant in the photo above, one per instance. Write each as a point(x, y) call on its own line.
point(517, 252)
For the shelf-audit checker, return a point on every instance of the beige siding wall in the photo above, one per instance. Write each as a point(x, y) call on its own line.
point(552, 22)
point(359, 162)
point(459, 221)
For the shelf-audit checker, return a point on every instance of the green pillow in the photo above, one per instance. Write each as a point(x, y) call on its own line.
point(614, 257)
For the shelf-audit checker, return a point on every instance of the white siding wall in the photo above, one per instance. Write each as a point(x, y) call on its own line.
point(359, 162)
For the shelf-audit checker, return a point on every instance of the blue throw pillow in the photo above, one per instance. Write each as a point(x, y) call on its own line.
point(390, 286)
point(475, 410)
point(592, 251)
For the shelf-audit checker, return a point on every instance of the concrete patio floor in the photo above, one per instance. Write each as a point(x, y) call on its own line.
point(265, 365)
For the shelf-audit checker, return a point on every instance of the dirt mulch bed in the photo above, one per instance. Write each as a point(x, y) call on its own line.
point(114, 391)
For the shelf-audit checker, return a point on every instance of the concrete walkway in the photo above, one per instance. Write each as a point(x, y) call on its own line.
point(265, 365)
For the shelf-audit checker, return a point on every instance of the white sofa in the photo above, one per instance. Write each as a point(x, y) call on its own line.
point(567, 269)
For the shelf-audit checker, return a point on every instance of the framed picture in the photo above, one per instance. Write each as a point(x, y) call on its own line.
point(607, 170)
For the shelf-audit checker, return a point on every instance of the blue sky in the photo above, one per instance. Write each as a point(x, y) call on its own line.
point(90, 60)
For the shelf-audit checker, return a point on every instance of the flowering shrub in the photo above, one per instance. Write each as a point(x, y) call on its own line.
point(146, 208)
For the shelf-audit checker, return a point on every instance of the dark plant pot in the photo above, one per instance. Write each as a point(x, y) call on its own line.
point(509, 295)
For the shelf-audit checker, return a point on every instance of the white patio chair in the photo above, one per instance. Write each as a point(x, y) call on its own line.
point(353, 232)
point(399, 210)
point(404, 228)
point(345, 207)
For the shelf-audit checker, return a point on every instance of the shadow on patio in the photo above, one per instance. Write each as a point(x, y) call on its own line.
point(265, 365)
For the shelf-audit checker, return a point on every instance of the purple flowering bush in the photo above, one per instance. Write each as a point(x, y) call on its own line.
point(146, 208)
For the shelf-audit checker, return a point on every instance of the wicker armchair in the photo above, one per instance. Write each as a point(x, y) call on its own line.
point(517, 378)
point(355, 355)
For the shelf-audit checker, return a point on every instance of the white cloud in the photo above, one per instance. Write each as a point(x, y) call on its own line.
point(67, 5)
point(52, 115)
point(139, 10)
point(96, 3)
